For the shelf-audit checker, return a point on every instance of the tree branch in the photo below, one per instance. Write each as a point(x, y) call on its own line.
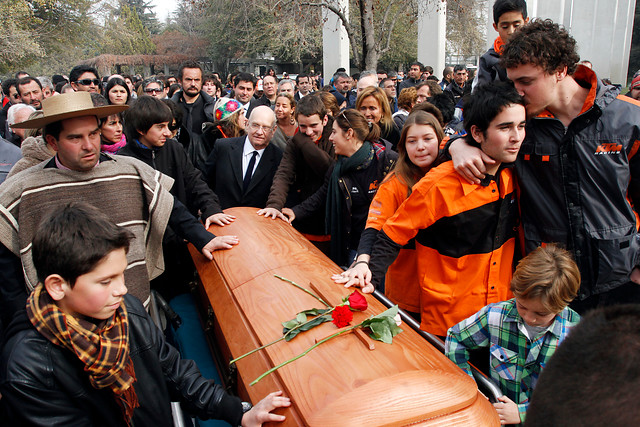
point(390, 32)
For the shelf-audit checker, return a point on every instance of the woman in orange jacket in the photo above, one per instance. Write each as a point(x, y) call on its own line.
point(418, 151)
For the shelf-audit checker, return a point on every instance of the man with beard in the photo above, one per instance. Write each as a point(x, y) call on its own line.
point(30, 91)
point(196, 105)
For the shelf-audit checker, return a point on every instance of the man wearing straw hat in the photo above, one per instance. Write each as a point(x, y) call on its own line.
point(130, 192)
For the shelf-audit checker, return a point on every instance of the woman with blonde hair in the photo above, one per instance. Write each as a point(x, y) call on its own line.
point(373, 103)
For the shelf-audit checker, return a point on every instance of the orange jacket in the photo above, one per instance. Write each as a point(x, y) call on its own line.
point(401, 281)
point(465, 241)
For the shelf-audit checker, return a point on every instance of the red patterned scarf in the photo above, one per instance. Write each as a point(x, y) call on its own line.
point(104, 348)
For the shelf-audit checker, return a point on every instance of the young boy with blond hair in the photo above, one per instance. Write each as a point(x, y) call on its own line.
point(86, 353)
point(524, 332)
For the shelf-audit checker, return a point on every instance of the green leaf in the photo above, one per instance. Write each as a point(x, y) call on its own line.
point(290, 334)
point(290, 324)
point(380, 331)
point(301, 318)
point(383, 326)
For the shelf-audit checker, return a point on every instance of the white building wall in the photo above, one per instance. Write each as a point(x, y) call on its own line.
point(432, 23)
point(335, 42)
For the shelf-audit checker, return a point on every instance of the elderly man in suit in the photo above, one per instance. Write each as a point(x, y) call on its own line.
point(240, 170)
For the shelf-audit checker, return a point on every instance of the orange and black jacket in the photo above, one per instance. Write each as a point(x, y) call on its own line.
point(401, 280)
point(465, 242)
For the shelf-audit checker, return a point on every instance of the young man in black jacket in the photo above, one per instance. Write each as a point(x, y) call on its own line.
point(83, 353)
point(149, 139)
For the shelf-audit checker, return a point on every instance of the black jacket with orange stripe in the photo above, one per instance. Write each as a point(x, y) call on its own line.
point(465, 243)
point(579, 184)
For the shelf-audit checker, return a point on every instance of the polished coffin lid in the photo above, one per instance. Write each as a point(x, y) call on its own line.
point(342, 381)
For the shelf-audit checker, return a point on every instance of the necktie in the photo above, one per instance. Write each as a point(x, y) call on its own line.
point(249, 172)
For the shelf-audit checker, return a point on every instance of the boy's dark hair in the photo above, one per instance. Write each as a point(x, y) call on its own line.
point(188, 64)
point(444, 103)
point(301, 76)
point(542, 43)
point(549, 274)
point(487, 102)
point(418, 63)
point(311, 106)
point(176, 112)
point(244, 77)
point(594, 371)
point(145, 112)
point(6, 85)
point(428, 69)
point(500, 7)
point(73, 239)
point(79, 70)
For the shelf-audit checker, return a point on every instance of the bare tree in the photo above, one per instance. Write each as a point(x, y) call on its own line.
point(377, 20)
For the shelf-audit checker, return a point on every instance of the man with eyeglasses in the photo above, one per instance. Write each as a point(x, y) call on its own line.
point(85, 78)
point(241, 170)
point(153, 87)
point(196, 104)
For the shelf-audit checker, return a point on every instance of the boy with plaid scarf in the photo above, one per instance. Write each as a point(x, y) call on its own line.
point(523, 333)
point(84, 353)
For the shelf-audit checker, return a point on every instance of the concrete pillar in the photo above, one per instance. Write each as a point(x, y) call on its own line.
point(602, 28)
point(335, 42)
point(432, 23)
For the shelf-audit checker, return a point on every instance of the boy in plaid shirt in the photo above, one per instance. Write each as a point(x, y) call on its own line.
point(524, 332)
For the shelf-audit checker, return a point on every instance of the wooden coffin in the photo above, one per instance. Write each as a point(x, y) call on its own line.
point(342, 382)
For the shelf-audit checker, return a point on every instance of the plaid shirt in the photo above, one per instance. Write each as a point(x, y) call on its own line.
point(515, 360)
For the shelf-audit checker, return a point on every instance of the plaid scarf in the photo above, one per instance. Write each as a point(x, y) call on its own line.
point(104, 348)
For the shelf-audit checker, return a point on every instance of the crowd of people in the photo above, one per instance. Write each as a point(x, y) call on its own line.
point(494, 208)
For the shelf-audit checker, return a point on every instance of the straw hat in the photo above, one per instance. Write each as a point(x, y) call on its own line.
point(68, 106)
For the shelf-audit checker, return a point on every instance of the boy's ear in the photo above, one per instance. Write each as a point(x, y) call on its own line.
point(56, 286)
point(526, 20)
point(477, 134)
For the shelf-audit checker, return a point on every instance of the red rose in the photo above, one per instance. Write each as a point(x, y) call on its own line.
point(341, 316)
point(357, 301)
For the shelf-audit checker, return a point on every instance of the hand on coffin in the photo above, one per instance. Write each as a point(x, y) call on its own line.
point(272, 213)
point(469, 161)
point(219, 242)
point(507, 411)
point(289, 214)
point(357, 275)
point(220, 219)
point(261, 412)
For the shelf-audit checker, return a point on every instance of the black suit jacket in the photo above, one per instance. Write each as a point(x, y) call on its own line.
point(224, 174)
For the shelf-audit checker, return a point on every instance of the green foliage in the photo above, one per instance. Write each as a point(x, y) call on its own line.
point(145, 13)
point(41, 34)
point(465, 27)
point(18, 47)
point(125, 34)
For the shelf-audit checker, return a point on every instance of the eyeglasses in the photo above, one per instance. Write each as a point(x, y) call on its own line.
point(87, 82)
point(152, 90)
point(256, 127)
